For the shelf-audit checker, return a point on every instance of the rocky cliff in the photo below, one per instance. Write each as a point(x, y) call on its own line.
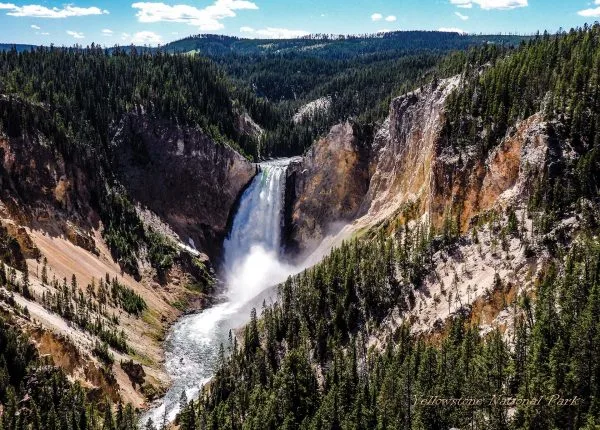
point(181, 175)
point(183, 185)
point(328, 185)
point(410, 167)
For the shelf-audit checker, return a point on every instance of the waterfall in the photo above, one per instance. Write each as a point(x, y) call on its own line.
point(252, 250)
point(251, 264)
point(258, 220)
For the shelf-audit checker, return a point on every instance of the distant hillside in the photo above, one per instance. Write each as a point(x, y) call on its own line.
point(338, 47)
point(19, 47)
point(359, 74)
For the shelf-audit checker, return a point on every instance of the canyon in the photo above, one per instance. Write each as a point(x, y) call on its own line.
point(187, 187)
point(195, 192)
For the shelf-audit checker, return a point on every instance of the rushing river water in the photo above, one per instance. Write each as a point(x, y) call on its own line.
point(252, 264)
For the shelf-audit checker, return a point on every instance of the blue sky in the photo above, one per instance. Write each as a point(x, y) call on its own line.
point(153, 22)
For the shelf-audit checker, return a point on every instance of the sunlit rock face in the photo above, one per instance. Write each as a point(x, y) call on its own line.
point(327, 186)
point(355, 178)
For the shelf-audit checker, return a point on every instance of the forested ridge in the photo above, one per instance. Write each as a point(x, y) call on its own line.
point(335, 47)
point(38, 396)
point(306, 362)
point(360, 74)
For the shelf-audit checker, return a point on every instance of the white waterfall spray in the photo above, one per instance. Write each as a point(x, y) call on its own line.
point(252, 264)
point(253, 249)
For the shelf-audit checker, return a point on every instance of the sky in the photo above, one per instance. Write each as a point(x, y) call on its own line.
point(147, 22)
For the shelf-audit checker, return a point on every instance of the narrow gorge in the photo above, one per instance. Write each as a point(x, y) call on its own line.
point(253, 262)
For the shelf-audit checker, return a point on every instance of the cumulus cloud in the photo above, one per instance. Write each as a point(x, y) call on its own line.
point(75, 34)
point(591, 12)
point(146, 38)
point(452, 30)
point(35, 27)
point(490, 4)
point(390, 18)
point(38, 11)
point(274, 33)
point(461, 16)
point(376, 17)
point(207, 19)
point(107, 32)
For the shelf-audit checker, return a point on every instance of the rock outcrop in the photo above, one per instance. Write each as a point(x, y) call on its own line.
point(409, 163)
point(327, 185)
point(404, 151)
point(183, 176)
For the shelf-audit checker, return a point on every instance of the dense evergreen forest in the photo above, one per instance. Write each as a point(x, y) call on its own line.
point(308, 361)
point(336, 47)
point(324, 318)
point(360, 74)
point(38, 396)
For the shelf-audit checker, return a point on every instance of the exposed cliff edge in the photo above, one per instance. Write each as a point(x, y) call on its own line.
point(409, 167)
point(183, 185)
point(410, 172)
point(180, 174)
point(328, 185)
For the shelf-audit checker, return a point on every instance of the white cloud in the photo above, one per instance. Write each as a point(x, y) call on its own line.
point(274, 33)
point(592, 12)
point(466, 4)
point(376, 17)
point(107, 32)
point(45, 33)
point(75, 34)
point(146, 38)
point(35, 27)
point(390, 18)
point(125, 36)
point(595, 12)
point(490, 4)
point(207, 19)
point(452, 30)
point(461, 16)
point(38, 11)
